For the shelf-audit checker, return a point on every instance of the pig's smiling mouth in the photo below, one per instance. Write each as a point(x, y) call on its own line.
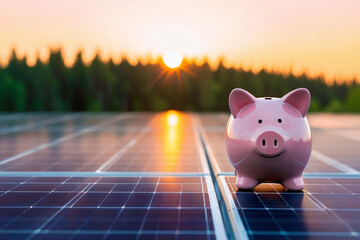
point(265, 156)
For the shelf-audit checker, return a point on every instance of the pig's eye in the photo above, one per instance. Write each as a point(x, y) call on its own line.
point(259, 121)
point(279, 120)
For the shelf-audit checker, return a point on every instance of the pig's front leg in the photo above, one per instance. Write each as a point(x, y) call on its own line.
point(243, 182)
point(294, 184)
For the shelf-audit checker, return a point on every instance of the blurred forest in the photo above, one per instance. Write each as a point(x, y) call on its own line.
point(106, 86)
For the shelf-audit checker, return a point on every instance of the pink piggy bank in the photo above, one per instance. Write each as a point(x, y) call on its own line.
point(269, 139)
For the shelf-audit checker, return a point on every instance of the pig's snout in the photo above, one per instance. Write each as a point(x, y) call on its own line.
point(270, 144)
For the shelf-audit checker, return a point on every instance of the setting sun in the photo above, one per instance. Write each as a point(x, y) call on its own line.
point(172, 60)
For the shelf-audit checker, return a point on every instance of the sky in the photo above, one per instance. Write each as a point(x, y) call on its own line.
point(312, 36)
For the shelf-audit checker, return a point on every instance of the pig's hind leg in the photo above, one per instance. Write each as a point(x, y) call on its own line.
point(294, 184)
point(243, 182)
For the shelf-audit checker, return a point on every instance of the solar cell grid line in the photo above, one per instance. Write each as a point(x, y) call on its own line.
point(61, 139)
point(146, 215)
point(352, 231)
point(10, 189)
point(87, 220)
point(108, 231)
point(28, 208)
point(38, 124)
point(72, 202)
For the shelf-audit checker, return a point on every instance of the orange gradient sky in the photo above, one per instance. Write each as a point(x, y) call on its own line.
point(318, 37)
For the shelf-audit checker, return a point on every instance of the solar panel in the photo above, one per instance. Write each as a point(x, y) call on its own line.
point(327, 207)
point(164, 176)
point(117, 206)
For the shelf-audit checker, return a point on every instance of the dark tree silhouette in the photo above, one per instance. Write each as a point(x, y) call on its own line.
point(109, 86)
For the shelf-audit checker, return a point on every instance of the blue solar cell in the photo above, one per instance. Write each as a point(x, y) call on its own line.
point(48, 179)
point(70, 187)
point(166, 200)
point(339, 201)
point(35, 187)
point(70, 219)
point(56, 199)
point(13, 179)
point(124, 187)
point(83, 180)
point(162, 219)
point(30, 219)
point(298, 200)
point(115, 200)
point(7, 186)
point(130, 219)
point(119, 180)
point(146, 187)
point(14, 236)
point(91, 199)
point(21, 198)
point(193, 200)
point(248, 200)
point(149, 180)
point(102, 187)
point(102, 219)
point(8, 214)
point(193, 219)
point(139, 200)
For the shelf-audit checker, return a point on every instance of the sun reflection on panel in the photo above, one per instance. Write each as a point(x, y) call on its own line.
point(172, 118)
point(171, 141)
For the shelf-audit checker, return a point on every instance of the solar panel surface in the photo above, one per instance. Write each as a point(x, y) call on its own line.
point(165, 176)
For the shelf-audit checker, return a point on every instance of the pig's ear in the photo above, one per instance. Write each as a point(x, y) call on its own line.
point(238, 99)
point(300, 99)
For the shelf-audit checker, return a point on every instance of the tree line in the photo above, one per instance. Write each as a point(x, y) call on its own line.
point(108, 86)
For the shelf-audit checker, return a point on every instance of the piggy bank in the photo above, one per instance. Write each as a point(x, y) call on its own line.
point(269, 139)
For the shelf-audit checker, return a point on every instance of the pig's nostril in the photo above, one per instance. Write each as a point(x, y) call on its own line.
point(275, 143)
point(263, 143)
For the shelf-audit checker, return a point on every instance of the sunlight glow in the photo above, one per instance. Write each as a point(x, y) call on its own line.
point(172, 59)
point(172, 118)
